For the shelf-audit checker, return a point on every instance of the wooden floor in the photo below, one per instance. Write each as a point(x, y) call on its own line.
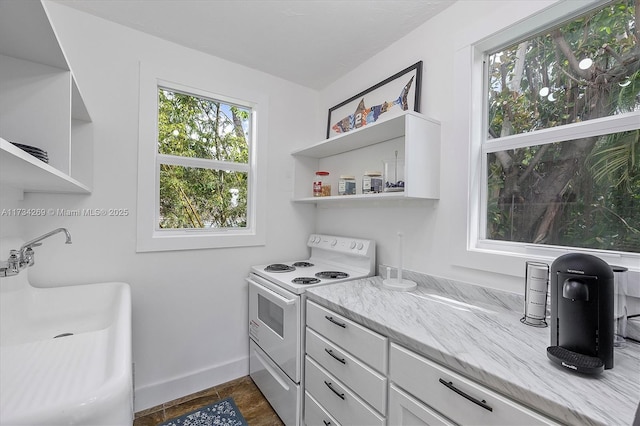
point(250, 401)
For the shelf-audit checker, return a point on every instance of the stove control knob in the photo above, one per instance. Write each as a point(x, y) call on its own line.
point(316, 240)
point(334, 242)
point(360, 245)
point(353, 245)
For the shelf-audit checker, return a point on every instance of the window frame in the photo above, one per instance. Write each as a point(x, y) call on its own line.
point(480, 146)
point(149, 236)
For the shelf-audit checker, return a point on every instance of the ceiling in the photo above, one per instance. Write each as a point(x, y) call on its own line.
point(309, 42)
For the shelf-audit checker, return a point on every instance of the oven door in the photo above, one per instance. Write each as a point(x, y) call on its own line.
point(275, 324)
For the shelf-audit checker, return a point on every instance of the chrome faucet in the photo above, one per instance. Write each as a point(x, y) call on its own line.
point(24, 256)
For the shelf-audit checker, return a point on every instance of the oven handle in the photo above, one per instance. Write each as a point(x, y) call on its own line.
point(272, 293)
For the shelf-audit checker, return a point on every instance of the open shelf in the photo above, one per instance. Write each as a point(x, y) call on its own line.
point(413, 136)
point(359, 138)
point(356, 197)
point(41, 105)
point(22, 171)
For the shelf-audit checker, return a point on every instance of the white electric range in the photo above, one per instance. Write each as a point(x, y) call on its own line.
point(277, 314)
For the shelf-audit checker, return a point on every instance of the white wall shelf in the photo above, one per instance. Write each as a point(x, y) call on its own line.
point(415, 137)
point(356, 197)
point(41, 106)
point(25, 172)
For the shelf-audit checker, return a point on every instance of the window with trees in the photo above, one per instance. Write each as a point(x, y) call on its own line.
point(201, 154)
point(203, 162)
point(562, 143)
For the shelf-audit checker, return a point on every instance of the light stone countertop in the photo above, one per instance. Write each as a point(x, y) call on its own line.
point(482, 338)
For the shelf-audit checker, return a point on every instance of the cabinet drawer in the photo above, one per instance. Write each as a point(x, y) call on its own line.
point(362, 379)
point(458, 398)
point(315, 415)
point(361, 342)
point(338, 400)
point(405, 410)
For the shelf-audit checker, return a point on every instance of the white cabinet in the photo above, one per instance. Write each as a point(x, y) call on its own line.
point(453, 396)
point(355, 376)
point(345, 371)
point(405, 410)
point(367, 345)
point(338, 400)
point(416, 139)
point(40, 105)
point(315, 415)
point(364, 380)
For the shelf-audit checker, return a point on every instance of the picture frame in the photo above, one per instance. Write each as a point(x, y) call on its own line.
point(389, 98)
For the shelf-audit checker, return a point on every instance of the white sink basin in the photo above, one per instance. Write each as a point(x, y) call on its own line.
point(83, 377)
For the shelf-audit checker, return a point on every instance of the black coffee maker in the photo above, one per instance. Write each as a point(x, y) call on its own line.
point(582, 299)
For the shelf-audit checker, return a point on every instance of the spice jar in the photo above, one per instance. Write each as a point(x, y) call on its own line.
point(320, 189)
point(347, 185)
point(371, 182)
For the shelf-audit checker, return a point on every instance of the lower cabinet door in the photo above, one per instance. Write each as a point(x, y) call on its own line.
point(315, 414)
point(337, 399)
point(462, 400)
point(405, 410)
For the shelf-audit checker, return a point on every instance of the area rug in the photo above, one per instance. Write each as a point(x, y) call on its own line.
point(222, 413)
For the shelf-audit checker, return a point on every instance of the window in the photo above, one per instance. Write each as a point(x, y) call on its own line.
point(198, 177)
point(561, 152)
point(203, 162)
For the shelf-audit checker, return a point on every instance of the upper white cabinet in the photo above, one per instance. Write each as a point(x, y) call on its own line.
point(41, 106)
point(414, 137)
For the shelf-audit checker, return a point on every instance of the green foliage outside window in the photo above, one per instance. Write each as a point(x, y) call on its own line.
point(214, 195)
point(583, 192)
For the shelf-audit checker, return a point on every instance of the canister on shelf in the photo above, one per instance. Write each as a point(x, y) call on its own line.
point(371, 182)
point(347, 185)
point(318, 190)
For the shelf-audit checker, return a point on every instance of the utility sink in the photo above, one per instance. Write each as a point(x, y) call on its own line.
point(65, 354)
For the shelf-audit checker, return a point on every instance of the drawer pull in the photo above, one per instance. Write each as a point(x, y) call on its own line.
point(330, 352)
point(482, 403)
point(340, 395)
point(339, 324)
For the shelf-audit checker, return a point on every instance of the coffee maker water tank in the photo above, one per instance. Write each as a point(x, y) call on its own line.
point(581, 313)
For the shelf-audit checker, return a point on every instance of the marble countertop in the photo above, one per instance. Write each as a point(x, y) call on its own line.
point(477, 332)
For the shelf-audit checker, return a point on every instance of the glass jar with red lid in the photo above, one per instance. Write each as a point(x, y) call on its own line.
point(320, 186)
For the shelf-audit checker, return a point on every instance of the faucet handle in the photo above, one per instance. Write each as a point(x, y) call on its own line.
point(29, 256)
point(13, 263)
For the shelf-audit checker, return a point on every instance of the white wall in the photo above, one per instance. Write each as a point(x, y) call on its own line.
point(435, 233)
point(189, 307)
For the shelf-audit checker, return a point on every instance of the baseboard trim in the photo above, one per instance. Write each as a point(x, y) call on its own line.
point(158, 393)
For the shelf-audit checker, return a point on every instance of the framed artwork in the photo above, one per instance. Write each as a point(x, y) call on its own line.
point(390, 97)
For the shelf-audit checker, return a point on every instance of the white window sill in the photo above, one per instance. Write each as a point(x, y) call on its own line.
point(198, 240)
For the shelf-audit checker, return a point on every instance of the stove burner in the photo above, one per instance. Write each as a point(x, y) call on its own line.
point(303, 264)
point(305, 280)
point(279, 267)
point(332, 274)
